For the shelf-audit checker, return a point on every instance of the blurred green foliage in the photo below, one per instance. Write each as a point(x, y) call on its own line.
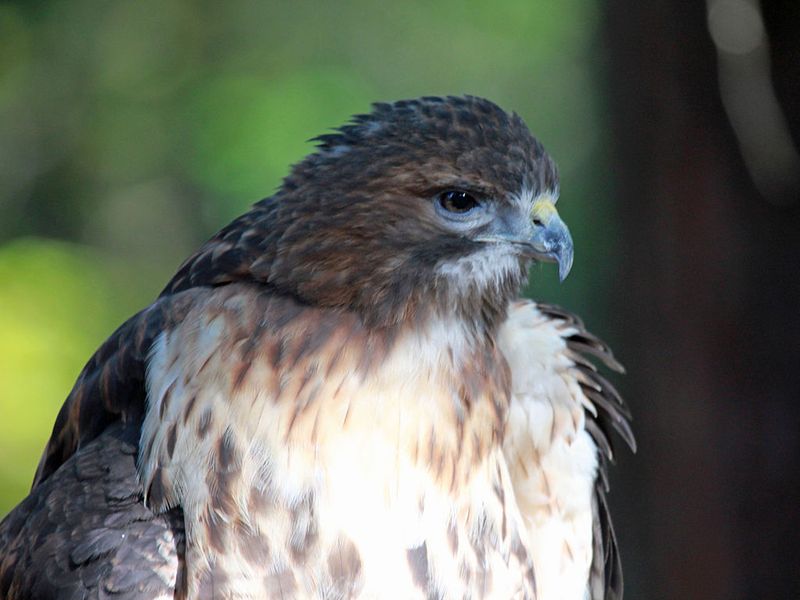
point(130, 131)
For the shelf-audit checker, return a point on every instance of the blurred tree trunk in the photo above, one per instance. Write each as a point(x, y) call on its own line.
point(709, 304)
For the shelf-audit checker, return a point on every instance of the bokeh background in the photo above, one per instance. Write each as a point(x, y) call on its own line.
point(131, 131)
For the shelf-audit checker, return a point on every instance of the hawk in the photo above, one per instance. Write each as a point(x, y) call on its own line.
point(340, 395)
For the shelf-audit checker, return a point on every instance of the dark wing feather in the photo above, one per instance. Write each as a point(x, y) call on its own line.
point(85, 533)
point(606, 574)
point(605, 578)
point(111, 386)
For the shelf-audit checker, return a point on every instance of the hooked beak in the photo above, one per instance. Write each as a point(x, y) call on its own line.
point(550, 240)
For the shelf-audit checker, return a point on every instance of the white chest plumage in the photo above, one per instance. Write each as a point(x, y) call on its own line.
point(308, 475)
point(323, 478)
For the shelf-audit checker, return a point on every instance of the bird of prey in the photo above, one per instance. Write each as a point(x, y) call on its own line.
point(340, 395)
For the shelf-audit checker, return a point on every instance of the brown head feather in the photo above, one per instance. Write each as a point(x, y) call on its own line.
point(354, 226)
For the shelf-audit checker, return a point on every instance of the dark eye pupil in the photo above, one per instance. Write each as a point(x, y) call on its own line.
point(457, 202)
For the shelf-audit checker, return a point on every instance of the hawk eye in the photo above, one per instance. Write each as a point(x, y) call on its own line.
point(455, 201)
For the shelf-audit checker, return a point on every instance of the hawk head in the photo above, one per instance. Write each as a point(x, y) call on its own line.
point(435, 205)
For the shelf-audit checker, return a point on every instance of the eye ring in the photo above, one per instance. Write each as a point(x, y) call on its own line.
point(457, 202)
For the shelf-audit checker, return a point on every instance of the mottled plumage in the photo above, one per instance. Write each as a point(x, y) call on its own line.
point(339, 395)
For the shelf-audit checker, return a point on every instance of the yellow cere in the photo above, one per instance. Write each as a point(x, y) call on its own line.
point(543, 209)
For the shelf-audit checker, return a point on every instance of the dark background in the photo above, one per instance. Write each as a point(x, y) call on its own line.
point(131, 131)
